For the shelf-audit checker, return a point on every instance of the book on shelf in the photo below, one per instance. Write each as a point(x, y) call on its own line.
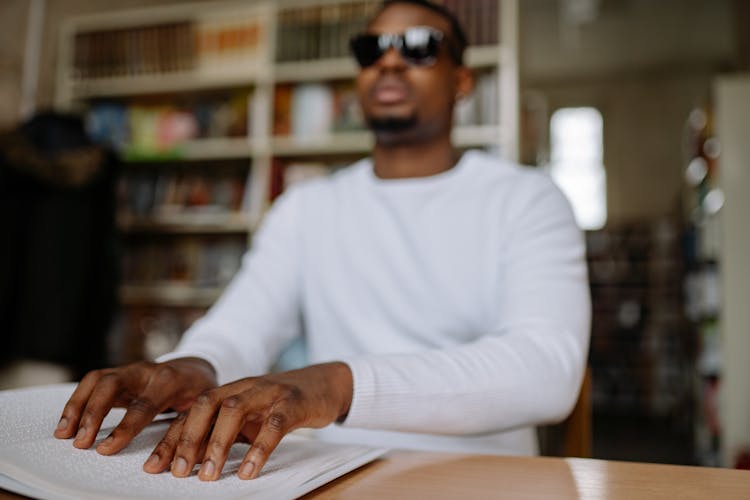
point(35, 464)
point(198, 262)
point(228, 40)
point(480, 19)
point(140, 129)
point(170, 192)
point(312, 110)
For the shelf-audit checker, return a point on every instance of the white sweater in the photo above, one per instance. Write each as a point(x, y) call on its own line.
point(460, 302)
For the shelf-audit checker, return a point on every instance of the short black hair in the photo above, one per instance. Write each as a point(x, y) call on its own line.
point(459, 35)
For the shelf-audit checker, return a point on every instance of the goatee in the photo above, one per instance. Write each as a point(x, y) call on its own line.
point(391, 124)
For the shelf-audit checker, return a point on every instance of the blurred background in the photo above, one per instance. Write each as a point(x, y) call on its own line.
point(141, 142)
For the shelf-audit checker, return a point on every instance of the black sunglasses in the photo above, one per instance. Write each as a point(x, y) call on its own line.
point(418, 45)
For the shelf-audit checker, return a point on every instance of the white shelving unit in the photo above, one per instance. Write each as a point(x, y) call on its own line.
point(261, 73)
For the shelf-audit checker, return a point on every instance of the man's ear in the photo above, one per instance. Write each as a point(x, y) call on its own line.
point(465, 81)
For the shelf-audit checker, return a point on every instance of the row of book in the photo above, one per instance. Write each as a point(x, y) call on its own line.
point(173, 191)
point(143, 128)
point(191, 261)
point(311, 109)
point(320, 32)
point(133, 51)
point(167, 47)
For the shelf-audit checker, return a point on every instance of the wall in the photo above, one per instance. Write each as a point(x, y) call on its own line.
point(13, 14)
point(733, 122)
point(644, 64)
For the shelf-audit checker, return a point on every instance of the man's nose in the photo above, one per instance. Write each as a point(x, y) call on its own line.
point(391, 59)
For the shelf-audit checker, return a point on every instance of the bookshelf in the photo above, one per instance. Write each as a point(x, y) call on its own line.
point(197, 96)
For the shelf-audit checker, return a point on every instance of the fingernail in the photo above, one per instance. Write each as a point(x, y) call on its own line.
point(81, 433)
point(62, 424)
point(179, 467)
point(152, 460)
point(108, 441)
point(208, 468)
point(246, 471)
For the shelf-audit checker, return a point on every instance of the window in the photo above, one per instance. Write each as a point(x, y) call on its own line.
point(576, 163)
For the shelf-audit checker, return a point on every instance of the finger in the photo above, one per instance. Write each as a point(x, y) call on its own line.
point(278, 423)
point(97, 407)
point(71, 414)
point(197, 427)
point(161, 457)
point(229, 422)
point(142, 409)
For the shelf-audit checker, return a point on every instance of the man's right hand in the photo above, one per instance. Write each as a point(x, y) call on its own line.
point(145, 389)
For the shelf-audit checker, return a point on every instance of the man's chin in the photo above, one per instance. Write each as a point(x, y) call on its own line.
point(391, 124)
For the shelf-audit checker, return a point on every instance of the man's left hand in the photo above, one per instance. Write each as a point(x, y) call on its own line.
point(258, 410)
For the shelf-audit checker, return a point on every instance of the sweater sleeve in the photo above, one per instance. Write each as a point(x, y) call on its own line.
point(527, 370)
point(258, 314)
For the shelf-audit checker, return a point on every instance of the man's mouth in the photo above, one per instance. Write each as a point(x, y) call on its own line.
point(390, 92)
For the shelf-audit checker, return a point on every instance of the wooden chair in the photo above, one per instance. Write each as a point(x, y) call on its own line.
point(573, 436)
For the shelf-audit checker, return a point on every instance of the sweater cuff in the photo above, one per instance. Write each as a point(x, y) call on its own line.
point(369, 409)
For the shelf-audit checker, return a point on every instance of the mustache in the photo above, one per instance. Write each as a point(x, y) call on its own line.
point(389, 80)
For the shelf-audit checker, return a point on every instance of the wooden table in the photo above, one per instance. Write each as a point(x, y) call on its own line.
point(435, 476)
point(418, 475)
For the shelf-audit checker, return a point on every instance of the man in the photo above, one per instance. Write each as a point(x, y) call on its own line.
point(444, 297)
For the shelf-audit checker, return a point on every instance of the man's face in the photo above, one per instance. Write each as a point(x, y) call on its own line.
point(403, 102)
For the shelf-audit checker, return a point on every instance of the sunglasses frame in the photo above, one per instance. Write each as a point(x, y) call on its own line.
point(399, 41)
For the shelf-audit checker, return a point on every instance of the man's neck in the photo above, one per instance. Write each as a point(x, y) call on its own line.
point(413, 160)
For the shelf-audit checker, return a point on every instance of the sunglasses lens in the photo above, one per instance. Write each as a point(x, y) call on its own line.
point(420, 46)
point(366, 49)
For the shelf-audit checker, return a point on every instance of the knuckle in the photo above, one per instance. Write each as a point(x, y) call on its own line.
point(231, 402)
point(143, 406)
point(89, 413)
point(124, 429)
point(170, 438)
point(165, 373)
point(206, 398)
point(92, 376)
point(70, 409)
point(109, 378)
point(217, 445)
point(260, 448)
point(290, 392)
point(186, 440)
point(164, 447)
point(277, 421)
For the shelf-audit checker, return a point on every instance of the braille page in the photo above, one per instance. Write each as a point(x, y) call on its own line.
point(34, 463)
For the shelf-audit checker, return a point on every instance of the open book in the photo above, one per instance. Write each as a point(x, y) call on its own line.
point(34, 463)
